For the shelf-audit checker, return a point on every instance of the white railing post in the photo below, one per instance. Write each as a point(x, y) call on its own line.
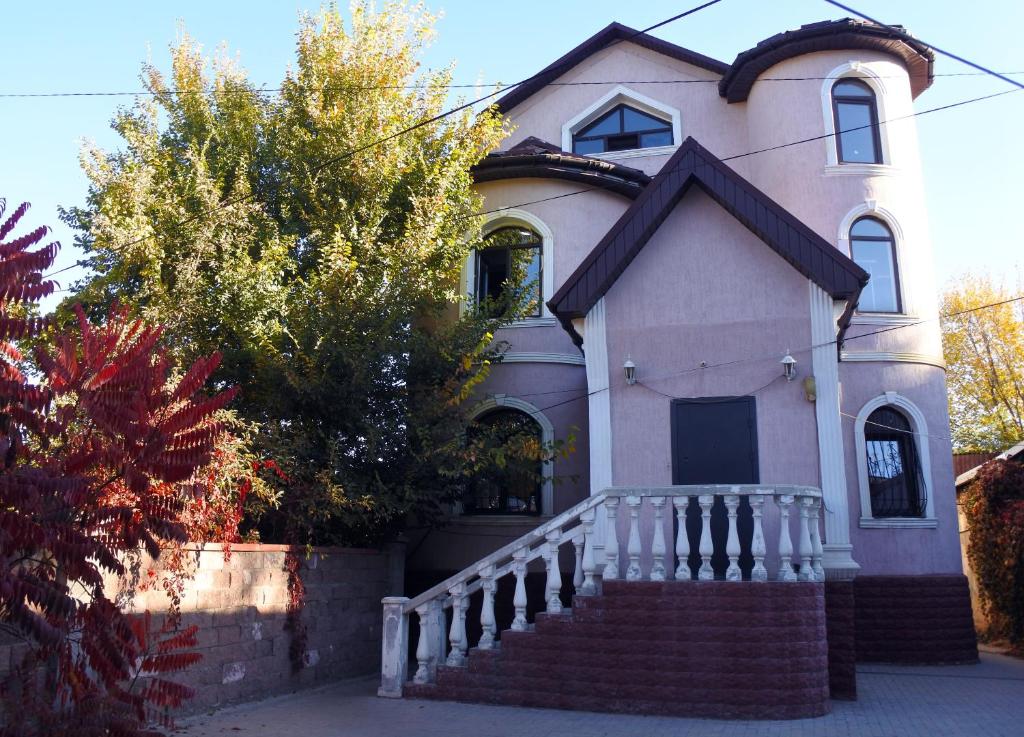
point(732, 543)
point(682, 541)
point(487, 624)
point(633, 547)
point(658, 548)
point(806, 548)
point(577, 571)
point(589, 588)
point(786, 572)
point(707, 545)
point(394, 657)
point(423, 654)
point(519, 598)
point(554, 582)
point(457, 633)
point(757, 546)
point(610, 572)
point(817, 551)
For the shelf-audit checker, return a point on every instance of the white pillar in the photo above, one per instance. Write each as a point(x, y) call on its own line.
point(633, 546)
point(487, 624)
point(732, 544)
point(519, 598)
point(658, 548)
point(707, 545)
point(682, 541)
point(757, 546)
point(394, 660)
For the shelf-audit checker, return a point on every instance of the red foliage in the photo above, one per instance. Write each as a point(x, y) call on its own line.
point(100, 459)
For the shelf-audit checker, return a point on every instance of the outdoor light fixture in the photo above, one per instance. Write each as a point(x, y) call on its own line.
point(788, 367)
point(630, 370)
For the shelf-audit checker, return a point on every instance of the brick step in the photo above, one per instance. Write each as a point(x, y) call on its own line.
point(615, 642)
point(694, 591)
point(644, 618)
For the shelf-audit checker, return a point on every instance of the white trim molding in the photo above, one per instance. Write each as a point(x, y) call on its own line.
point(888, 357)
point(547, 434)
point(871, 208)
point(861, 170)
point(599, 413)
point(636, 153)
point(515, 216)
point(838, 551)
point(863, 72)
point(572, 359)
point(919, 426)
point(624, 95)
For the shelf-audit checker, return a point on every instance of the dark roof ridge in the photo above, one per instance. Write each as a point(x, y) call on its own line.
point(611, 33)
point(804, 249)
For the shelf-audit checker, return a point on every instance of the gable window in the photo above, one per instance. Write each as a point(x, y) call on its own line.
point(508, 272)
point(894, 470)
point(623, 128)
point(873, 248)
point(856, 123)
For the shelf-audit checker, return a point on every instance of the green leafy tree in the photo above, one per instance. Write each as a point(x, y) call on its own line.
point(243, 222)
point(984, 351)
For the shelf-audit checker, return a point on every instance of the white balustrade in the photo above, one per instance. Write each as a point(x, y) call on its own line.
point(646, 544)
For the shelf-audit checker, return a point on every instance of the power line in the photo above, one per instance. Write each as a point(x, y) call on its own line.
point(906, 36)
point(427, 86)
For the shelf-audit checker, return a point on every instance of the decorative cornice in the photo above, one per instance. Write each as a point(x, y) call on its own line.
point(894, 357)
point(880, 523)
point(572, 359)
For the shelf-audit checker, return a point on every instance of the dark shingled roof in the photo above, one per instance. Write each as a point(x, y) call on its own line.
point(533, 157)
point(828, 36)
point(612, 33)
point(809, 253)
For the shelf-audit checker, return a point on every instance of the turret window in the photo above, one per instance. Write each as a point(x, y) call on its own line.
point(873, 248)
point(622, 128)
point(856, 123)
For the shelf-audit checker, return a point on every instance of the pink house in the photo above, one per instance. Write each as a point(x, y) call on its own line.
point(735, 316)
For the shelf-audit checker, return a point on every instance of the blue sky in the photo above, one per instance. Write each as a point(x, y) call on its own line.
point(973, 156)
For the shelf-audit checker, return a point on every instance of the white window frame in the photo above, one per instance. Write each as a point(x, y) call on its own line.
point(919, 426)
point(512, 217)
point(871, 208)
point(547, 433)
point(864, 73)
point(621, 95)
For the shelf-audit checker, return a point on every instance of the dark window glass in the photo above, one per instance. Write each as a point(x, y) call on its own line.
point(873, 248)
point(622, 129)
point(515, 486)
point(856, 121)
point(508, 272)
point(894, 471)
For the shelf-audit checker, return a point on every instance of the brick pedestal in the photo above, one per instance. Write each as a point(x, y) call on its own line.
point(914, 619)
point(842, 651)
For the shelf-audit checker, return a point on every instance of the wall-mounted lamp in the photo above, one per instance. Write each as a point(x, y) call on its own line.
point(629, 368)
point(788, 367)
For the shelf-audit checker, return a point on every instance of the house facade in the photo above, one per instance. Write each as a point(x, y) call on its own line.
point(732, 285)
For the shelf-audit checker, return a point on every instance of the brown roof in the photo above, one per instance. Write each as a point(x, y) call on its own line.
point(826, 36)
point(805, 250)
point(610, 34)
point(533, 157)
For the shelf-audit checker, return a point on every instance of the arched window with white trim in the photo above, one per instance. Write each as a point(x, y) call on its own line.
point(873, 248)
point(855, 112)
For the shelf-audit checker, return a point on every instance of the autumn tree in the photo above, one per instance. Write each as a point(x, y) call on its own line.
point(323, 264)
point(984, 351)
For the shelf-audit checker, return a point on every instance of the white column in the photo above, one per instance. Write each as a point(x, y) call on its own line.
point(519, 598)
point(610, 572)
point(682, 541)
point(423, 654)
point(599, 416)
point(394, 659)
point(732, 544)
point(589, 588)
point(757, 546)
point(457, 633)
point(658, 548)
point(806, 567)
point(786, 572)
point(707, 545)
point(577, 571)
point(838, 551)
point(633, 547)
point(816, 548)
point(554, 581)
point(487, 625)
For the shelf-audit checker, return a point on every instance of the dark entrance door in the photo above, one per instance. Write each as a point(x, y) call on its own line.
point(714, 441)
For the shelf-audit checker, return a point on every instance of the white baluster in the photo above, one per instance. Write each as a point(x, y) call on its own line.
point(633, 547)
point(707, 546)
point(806, 567)
point(457, 633)
point(658, 548)
point(423, 646)
point(611, 540)
point(519, 598)
point(732, 543)
point(816, 549)
point(487, 624)
point(786, 573)
point(589, 588)
point(438, 639)
point(682, 541)
point(757, 546)
point(577, 571)
point(554, 583)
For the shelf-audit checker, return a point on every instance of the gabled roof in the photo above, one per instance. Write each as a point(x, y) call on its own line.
point(610, 34)
point(827, 36)
point(805, 250)
point(533, 157)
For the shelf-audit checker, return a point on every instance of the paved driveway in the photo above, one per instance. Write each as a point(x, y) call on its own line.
point(985, 700)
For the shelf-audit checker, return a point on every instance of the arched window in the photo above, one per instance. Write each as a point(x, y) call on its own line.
point(873, 248)
point(513, 486)
point(894, 469)
point(508, 272)
point(856, 123)
point(622, 128)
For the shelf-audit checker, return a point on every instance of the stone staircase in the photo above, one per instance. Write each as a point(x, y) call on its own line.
point(750, 650)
